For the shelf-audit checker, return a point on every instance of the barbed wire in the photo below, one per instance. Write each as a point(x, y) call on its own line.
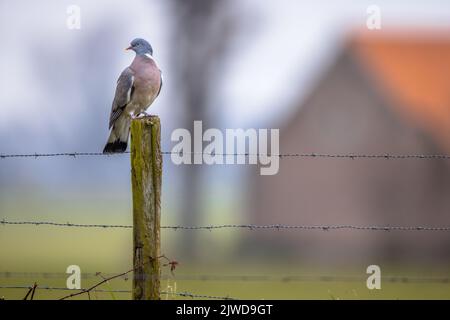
point(310, 278)
point(59, 154)
point(61, 288)
point(201, 296)
point(67, 224)
point(180, 294)
point(251, 227)
point(240, 278)
point(282, 155)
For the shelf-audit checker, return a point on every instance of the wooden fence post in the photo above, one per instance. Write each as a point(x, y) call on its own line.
point(146, 172)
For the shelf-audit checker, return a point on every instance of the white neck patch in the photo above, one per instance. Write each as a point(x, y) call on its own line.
point(153, 59)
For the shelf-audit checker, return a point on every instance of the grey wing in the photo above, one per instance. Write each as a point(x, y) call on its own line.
point(122, 97)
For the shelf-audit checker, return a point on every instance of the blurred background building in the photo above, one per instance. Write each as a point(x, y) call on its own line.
point(385, 93)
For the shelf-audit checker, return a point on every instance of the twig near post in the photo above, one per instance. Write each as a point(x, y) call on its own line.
point(34, 290)
point(96, 285)
point(31, 290)
point(146, 172)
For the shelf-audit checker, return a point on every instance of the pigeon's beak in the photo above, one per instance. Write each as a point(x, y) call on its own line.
point(128, 48)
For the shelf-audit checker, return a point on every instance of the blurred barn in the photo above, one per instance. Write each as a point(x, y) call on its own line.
point(385, 93)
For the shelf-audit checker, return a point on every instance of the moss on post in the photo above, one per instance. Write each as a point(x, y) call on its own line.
point(146, 172)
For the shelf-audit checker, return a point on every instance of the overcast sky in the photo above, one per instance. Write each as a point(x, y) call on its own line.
point(282, 49)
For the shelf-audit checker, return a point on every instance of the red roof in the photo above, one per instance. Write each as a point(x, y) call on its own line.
point(413, 69)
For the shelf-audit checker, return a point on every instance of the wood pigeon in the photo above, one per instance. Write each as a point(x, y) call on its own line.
point(137, 87)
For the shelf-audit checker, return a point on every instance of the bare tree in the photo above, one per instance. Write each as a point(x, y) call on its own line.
point(201, 32)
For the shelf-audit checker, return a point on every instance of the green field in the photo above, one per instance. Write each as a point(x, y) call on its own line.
point(252, 289)
point(47, 249)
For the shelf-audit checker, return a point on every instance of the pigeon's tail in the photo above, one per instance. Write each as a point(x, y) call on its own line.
point(118, 138)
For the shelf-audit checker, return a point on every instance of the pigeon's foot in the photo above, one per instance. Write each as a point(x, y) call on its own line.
point(142, 114)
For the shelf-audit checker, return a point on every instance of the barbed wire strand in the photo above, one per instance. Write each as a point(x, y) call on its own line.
point(193, 295)
point(181, 294)
point(240, 278)
point(61, 288)
point(282, 155)
point(251, 227)
point(67, 224)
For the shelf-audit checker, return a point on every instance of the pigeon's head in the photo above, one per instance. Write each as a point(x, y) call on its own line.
point(140, 46)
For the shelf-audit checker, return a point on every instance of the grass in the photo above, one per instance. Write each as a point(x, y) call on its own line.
point(276, 289)
point(51, 249)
